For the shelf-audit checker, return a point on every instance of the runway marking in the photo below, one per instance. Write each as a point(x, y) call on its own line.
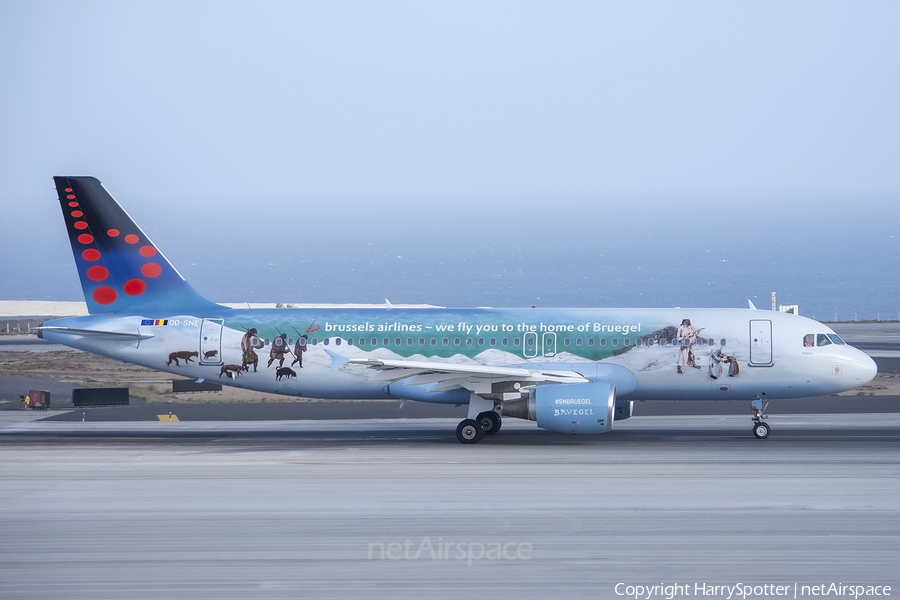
point(169, 418)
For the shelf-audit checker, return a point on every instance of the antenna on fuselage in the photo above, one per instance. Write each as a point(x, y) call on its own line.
point(750, 302)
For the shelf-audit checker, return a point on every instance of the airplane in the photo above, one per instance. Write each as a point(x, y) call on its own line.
point(571, 370)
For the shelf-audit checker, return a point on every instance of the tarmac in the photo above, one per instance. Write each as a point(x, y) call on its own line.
point(328, 504)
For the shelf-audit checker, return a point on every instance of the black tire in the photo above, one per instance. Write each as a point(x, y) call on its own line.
point(490, 422)
point(761, 431)
point(469, 432)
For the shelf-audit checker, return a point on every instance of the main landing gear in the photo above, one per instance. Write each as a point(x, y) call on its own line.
point(761, 430)
point(472, 431)
point(483, 420)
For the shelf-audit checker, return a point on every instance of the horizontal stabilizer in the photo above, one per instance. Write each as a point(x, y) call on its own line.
point(136, 335)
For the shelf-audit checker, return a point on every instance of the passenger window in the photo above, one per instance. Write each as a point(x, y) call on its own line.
point(374, 341)
point(809, 340)
point(578, 341)
point(337, 341)
point(493, 341)
point(722, 342)
point(434, 341)
point(504, 342)
point(516, 342)
point(590, 341)
point(397, 341)
point(566, 342)
point(456, 341)
point(822, 340)
point(386, 343)
point(627, 341)
point(615, 341)
point(481, 341)
point(409, 341)
point(315, 341)
point(602, 341)
point(421, 341)
point(325, 341)
point(445, 341)
point(639, 342)
point(468, 341)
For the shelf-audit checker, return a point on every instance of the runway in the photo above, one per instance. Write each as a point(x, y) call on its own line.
point(363, 500)
point(399, 509)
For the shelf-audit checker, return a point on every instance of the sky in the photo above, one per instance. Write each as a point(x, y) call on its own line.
point(290, 132)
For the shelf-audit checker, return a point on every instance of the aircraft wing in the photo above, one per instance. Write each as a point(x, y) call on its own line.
point(439, 376)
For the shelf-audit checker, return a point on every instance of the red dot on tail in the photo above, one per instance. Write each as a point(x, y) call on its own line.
point(80, 225)
point(97, 273)
point(151, 270)
point(77, 213)
point(104, 295)
point(147, 251)
point(68, 189)
point(73, 204)
point(131, 238)
point(90, 254)
point(133, 287)
point(113, 233)
point(71, 196)
point(85, 238)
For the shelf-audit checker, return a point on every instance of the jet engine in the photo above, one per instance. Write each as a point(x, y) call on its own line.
point(567, 408)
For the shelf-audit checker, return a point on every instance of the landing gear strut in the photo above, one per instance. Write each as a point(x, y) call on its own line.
point(761, 430)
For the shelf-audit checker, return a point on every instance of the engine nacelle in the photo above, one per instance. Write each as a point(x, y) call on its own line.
point(568, 408)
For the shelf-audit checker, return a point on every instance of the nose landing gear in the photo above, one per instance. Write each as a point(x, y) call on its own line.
point(761, 430)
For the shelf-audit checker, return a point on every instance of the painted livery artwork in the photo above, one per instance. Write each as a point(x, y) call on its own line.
point(571, 370)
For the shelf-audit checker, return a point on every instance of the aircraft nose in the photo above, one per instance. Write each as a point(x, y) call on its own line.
point(866, 368)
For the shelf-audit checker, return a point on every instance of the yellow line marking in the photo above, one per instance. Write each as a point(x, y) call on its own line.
point(168, 418)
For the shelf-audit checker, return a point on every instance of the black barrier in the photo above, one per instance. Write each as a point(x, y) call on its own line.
point(184, 385)
point(100, 397)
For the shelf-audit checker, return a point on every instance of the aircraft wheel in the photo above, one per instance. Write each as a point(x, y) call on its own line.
point(490, 422)
point(469, 431)
point(761, 431)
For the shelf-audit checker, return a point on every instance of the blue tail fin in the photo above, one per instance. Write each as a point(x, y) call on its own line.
point(121, 270)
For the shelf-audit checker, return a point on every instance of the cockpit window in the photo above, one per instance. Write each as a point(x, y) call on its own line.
point(809, 340)
point(822, 340)
point(836, 339)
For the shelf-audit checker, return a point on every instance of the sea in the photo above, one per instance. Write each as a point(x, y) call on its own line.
point(833, 262)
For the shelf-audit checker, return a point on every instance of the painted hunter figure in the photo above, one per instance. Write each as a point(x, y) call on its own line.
point(248, 353)
point(279, 348)
point(299, 349)
point(686, 335)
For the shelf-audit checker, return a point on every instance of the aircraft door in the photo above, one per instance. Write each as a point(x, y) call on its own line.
point(549, 343)
point(530, 345)
point(760, 343)
point(211, 341)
